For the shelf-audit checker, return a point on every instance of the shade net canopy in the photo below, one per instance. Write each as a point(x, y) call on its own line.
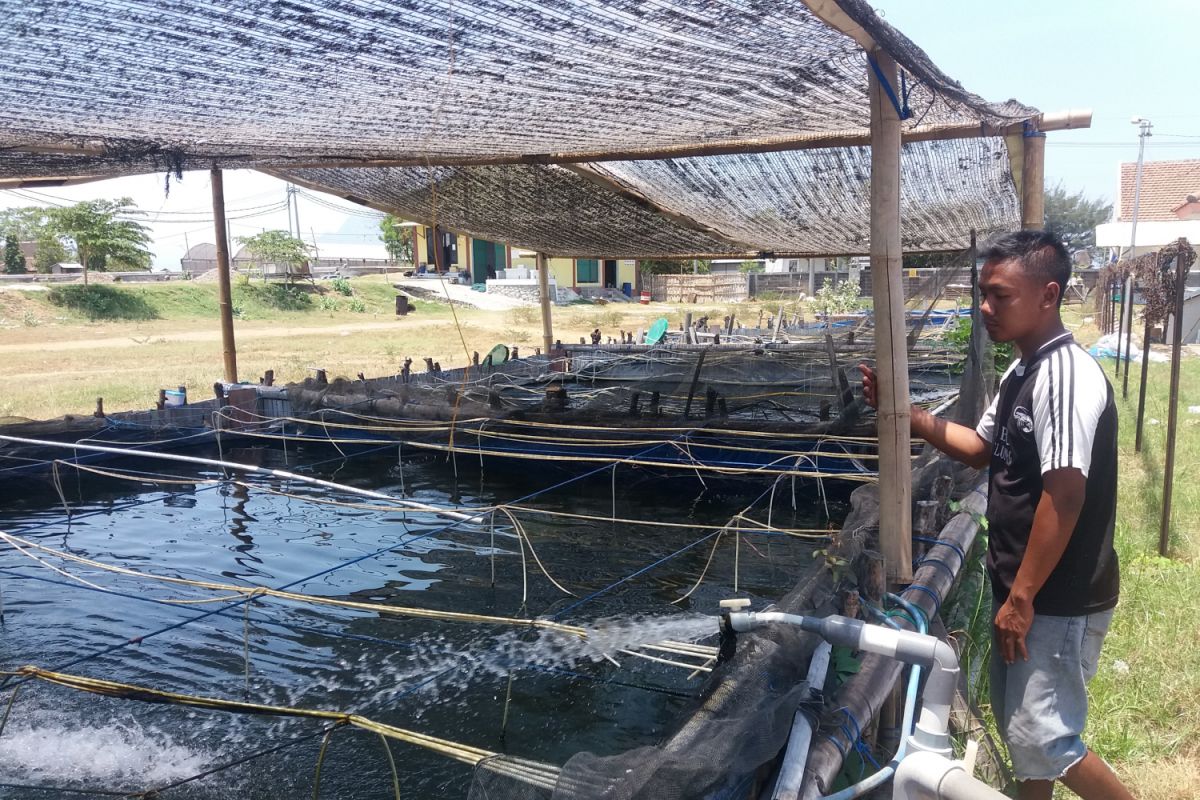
point(453, 110)
point(804, 202)
point(414, 79)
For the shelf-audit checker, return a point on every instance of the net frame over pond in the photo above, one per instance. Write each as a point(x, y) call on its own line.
point(676, 654)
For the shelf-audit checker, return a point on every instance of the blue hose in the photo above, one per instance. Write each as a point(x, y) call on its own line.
point(877, 779)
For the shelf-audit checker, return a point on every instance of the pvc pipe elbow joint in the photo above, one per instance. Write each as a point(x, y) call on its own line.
point(922, 776)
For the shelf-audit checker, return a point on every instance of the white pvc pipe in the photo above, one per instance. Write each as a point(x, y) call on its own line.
point(237, 467)
point(795, 758)
point(922, 776)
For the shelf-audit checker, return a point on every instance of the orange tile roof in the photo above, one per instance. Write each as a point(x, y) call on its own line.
point(1165, 185)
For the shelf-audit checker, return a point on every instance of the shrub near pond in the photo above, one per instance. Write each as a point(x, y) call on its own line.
point(102, 302)
point(280, 296)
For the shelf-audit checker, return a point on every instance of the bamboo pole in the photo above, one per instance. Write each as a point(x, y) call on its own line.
point(224, 292)
point(1121, 327)
point(891, 354)
point(1181, 270)
point(543, 269)
point(1129, 289)
point(854, 137)
point(1141, 414)
point(1033, 188)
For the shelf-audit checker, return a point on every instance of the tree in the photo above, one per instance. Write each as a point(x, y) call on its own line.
point(1075, 217)
point(752, 265)
point(49, 250)
point(397, 238)
point(103, 235)
point(14, 259)
point(277, 248)
point(32, 224)
point(26, 224)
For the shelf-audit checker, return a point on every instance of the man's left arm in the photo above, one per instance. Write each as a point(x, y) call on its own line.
point(1054, 521)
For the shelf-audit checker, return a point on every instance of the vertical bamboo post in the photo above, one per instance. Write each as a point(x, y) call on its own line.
point(544, 297)
point(1141, 415)
point(224, 293)
point(1033, 188)
point(1129, 289)
point(891, 354)
point(1120, 326)
point(1181, 270)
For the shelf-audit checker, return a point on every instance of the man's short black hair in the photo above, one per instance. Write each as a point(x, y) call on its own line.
point(1041, 253)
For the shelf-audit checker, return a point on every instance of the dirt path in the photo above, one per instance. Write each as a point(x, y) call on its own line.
point(242, 334)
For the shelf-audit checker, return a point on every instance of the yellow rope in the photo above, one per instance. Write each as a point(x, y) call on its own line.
point(595, 442)
point(794, 532)
point(396, 423)
point(799, 532)
point(458, 751)
point(762, 470)
point(257, 591)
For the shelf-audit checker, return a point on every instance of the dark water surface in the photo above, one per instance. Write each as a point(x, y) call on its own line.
point(440, 678)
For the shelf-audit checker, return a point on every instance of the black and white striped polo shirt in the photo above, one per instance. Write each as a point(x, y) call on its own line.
point(1054, 410)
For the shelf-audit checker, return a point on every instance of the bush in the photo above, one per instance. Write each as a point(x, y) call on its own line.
point(327, 304)
point(342, 287)
point(523, 315)
point(841, 299)
point(281, 296)
point(357, 306)
point(101, 302)
point(958, 338)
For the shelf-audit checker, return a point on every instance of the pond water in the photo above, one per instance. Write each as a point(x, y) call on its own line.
point(538, 695)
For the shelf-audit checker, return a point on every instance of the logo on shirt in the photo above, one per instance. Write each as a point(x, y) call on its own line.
point(1024, 421)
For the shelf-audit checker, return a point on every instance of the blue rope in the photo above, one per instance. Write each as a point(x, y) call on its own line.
point(937, 562)
point(937, 601)
point(962, 556)
point(902, 109)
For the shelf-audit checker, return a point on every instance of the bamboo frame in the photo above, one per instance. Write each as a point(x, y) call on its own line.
point(1063, 120)
point(891, 352)
point(225, 298)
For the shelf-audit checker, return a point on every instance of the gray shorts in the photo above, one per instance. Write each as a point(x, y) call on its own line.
point(1041, 704)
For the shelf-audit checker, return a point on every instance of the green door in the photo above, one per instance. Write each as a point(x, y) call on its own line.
point(483, 259)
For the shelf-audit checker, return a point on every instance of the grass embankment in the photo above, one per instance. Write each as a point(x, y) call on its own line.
point(1144, 716)
point(63, 348)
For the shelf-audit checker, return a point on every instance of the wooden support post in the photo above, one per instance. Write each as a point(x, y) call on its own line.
point(891, 355)
point(1033, 187)
point(1121, 327)
point(687, 409)
point(1141, 414)
point(1181, 271)
point(224, 292)
point(1129, 290)
point(544, 297)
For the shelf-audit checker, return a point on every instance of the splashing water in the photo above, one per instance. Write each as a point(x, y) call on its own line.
point(438, 665)
point(118, 754)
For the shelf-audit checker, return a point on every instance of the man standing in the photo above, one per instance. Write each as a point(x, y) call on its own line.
point(1050, 439)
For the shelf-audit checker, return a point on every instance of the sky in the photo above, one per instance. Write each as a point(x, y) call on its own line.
point(1119, 58)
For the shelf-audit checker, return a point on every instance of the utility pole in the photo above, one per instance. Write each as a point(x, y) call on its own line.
point(1144, 127)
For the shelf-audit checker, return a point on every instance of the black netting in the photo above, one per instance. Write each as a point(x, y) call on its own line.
point(806, 202)
point(363, 79)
